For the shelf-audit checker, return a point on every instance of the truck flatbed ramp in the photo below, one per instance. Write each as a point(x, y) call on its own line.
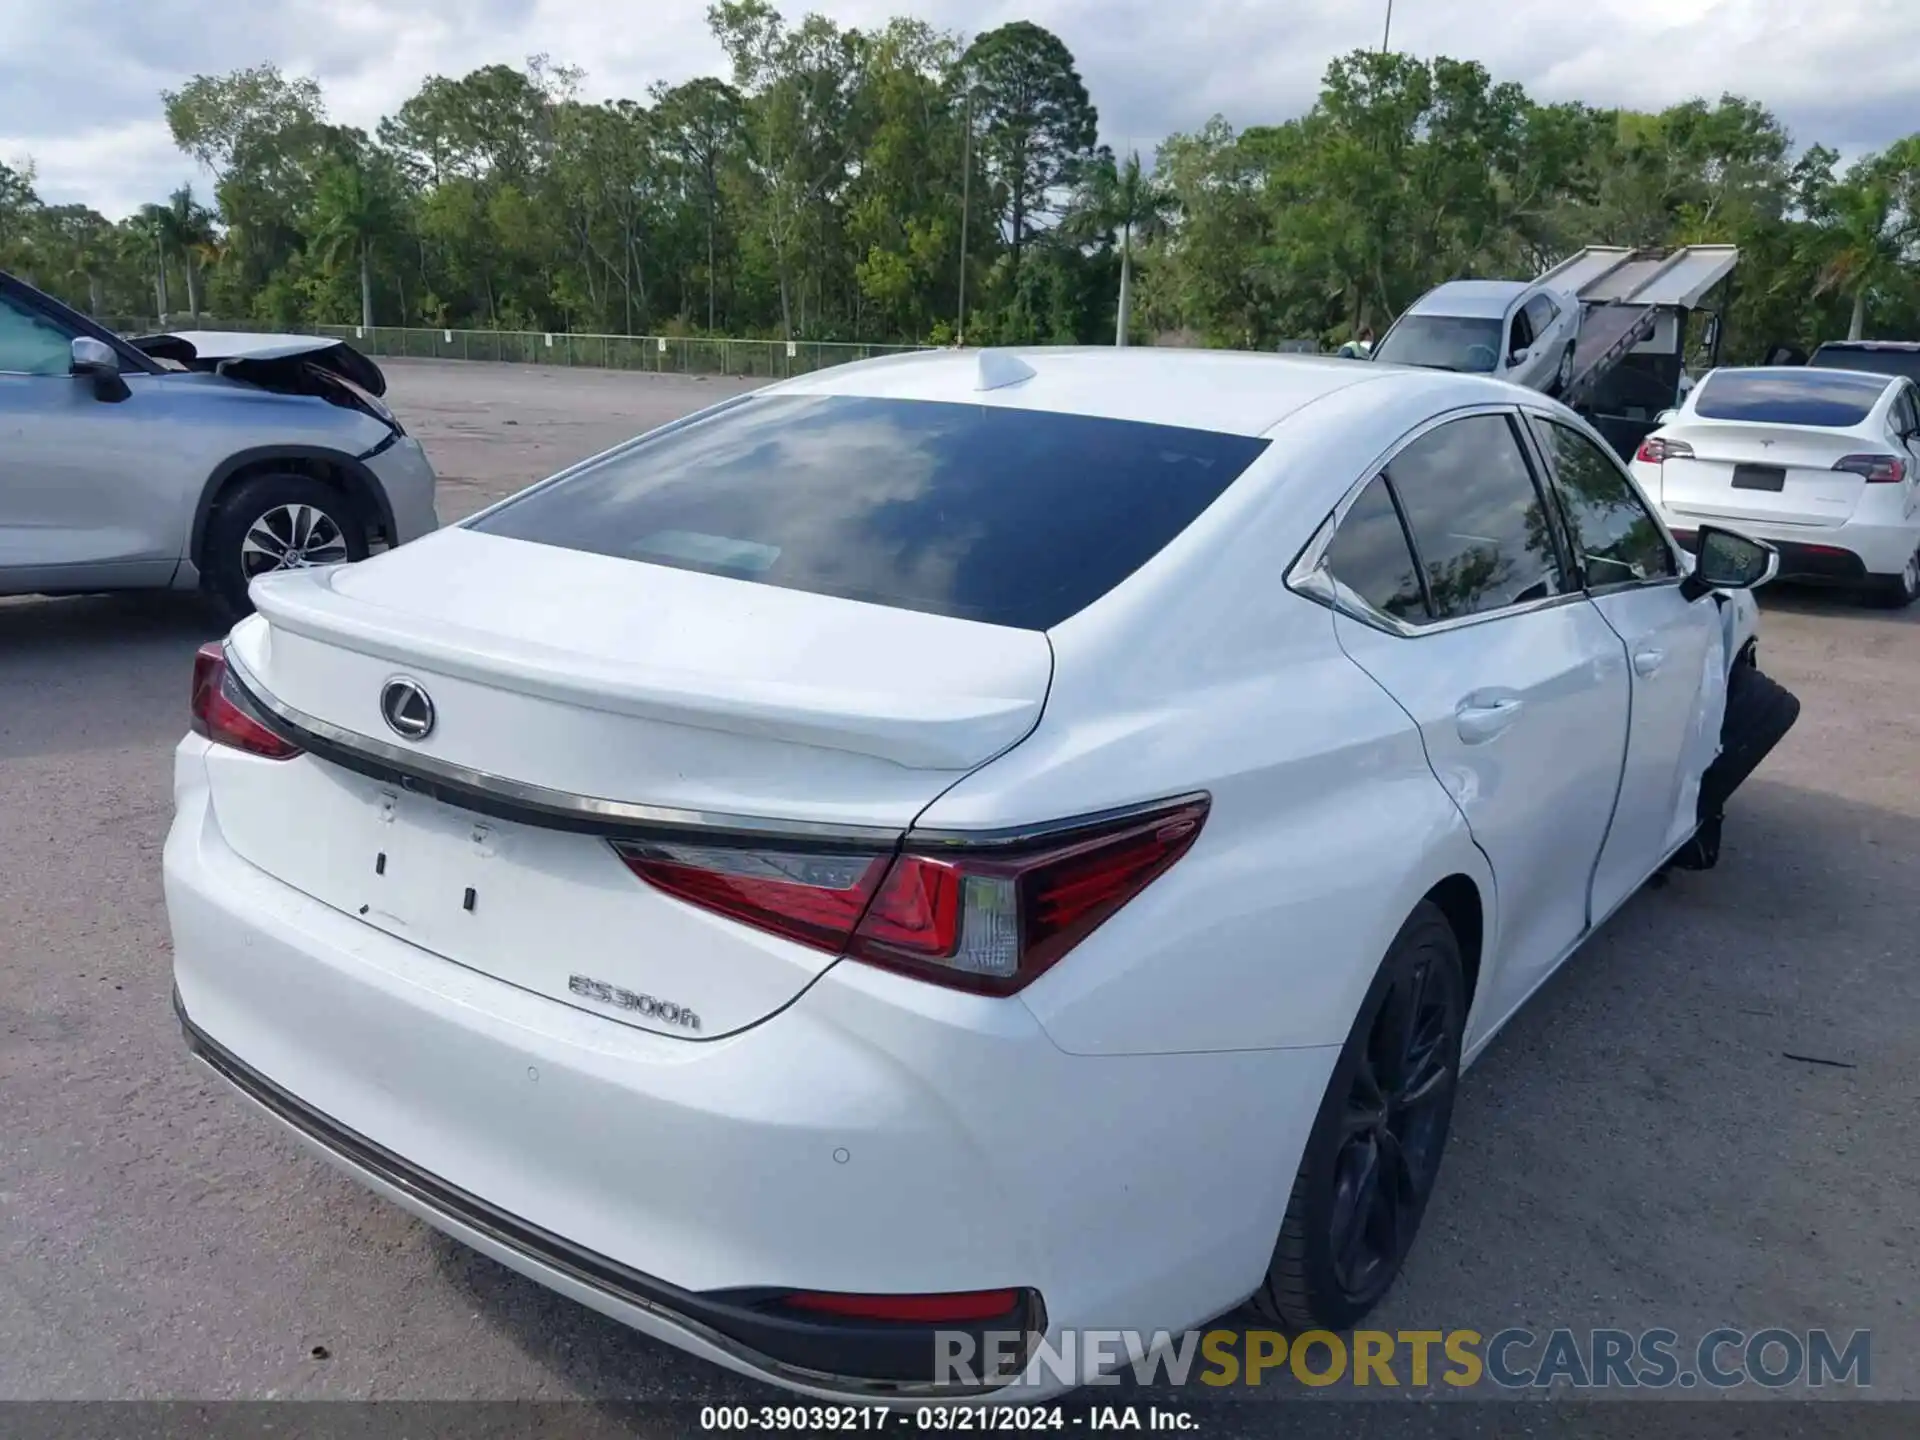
point(1621, 292)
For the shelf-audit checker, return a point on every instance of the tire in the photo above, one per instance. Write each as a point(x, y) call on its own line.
point(1563, 378)
point(1314, 1280)
point(1895, 592)
point(279, 510)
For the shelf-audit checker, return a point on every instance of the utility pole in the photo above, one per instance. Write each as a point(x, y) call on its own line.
point(966, 208)
point(1386, 36)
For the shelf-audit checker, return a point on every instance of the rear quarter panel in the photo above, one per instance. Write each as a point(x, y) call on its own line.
point(1204, 672)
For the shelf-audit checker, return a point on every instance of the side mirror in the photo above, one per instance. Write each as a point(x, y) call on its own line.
point(1726, 561)
point(98, 361)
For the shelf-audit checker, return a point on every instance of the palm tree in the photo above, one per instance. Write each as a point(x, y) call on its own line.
point(149, 227)
point(1868, 229)
point(354, 212)
point(1127, 199)
point(179, 227)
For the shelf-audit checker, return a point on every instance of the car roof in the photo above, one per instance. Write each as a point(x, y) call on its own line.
point(1470, 297)
point(1231, 392)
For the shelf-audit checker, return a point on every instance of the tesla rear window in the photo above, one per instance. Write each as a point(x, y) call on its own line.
point(1833, 399)
point(1011, 517)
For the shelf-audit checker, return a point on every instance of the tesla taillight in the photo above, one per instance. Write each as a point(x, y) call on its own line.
point(1875, 469)
point(219, 712)
point(988, 918)
point(1655, 449)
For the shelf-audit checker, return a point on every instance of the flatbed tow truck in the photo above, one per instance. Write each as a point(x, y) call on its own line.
point(1637, 306)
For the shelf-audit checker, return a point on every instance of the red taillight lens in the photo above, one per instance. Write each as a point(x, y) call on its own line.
point(1875, 469)
point(1655, 449)
point(986, 919)
point(815, 899)
point(217, 712)
point(914, 1309)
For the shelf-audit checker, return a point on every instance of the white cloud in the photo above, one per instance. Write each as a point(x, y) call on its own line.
point(80, 79)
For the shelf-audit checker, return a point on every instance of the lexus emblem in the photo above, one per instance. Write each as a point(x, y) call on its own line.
point(407, 709)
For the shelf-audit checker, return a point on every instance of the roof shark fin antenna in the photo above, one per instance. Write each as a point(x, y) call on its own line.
point(998, 370)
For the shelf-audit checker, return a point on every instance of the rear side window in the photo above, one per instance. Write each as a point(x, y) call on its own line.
point(1877, 362)
point(1011, 517)
point(1477, 518)
point(1831, 399)
point(1370, 557)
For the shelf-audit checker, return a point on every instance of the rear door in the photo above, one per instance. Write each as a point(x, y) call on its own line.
point(1471, 622)
point(1543, 318)
point(1519, 354)
point(1765, 444)
point(1675, 654)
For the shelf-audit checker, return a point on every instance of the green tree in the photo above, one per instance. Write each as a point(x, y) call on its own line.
point(700, 125)
point(1126, 200)
point(356, 213)
point(1038, 124)
point(1866, 226)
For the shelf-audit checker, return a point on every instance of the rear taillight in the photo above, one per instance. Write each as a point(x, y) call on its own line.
point(984, 918)
point(1875, 469)
point(1655, 449)
point(218, 709)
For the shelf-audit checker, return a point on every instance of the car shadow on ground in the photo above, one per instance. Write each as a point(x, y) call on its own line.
point(94, 671)
point(1829, 601)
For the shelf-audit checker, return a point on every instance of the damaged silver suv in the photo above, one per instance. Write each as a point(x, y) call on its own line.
point(194, 460)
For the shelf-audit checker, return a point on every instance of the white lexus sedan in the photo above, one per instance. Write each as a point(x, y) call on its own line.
point(1824, 464)
point(955, 850)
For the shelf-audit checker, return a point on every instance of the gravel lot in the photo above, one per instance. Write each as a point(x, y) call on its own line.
point(1636, 1149)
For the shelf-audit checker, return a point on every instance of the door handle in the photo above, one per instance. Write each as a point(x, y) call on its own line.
point(1646, 661)
point(1481, 720)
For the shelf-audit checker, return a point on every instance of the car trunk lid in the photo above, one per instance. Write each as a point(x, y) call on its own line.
point(1777, 473)
point(578, 698)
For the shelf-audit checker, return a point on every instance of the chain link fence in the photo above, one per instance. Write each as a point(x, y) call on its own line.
point(659, 354)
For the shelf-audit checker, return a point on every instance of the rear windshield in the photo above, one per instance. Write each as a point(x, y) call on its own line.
point(1011, 517)
point(1829, 398)
point(1877, 362)
point(1443, 342)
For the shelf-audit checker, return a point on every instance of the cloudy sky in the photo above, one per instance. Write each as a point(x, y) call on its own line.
point(80, 79)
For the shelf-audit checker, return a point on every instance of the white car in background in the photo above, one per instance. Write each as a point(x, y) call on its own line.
point(1514, 330)
point(1003, 844)
point(1824, 464)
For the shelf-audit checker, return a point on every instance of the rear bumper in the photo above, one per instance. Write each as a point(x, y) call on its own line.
point(841, 1357)
point(406, 475)
point(1843, 554)
point(877, 1137)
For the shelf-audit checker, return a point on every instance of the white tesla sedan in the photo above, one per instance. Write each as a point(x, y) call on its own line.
point(956, 846)
point(1825, 464)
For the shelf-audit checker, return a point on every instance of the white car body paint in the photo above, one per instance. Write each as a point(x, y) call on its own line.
point(1120, 1135)
point(1839, 512)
